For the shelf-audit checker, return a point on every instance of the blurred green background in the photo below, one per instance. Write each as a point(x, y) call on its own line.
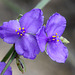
point(42, 65)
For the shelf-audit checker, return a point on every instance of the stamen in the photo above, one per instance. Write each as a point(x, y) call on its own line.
point(18, 33)
point(56, 33)
point(16, 30)
point(23, 28)
point(23, 31)
point(57, 36)
point(53, 36)
point(57, 40)
point(53, 39)
point(21, 34)
point(19, 28)
point(44, 25)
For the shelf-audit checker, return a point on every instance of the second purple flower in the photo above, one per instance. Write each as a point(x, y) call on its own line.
point(48, 38)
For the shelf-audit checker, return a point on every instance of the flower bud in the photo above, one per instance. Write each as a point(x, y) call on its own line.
point(64, 40)
point(21, 65)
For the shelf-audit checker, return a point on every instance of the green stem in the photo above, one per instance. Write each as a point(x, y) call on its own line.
point(42, 4)
point(8, 54)
point(9, 62)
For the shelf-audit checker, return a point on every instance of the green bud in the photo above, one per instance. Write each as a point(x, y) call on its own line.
point(21, 65)
point(64, 40)
point(20, 15)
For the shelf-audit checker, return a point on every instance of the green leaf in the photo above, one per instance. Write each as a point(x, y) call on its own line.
point(8, 54)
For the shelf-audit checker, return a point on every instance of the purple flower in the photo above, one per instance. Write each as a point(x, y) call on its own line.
point(8, 71)
point(22, 33)
point(48, 38)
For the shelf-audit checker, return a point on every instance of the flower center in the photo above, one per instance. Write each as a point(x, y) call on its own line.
point(20, 31)
point(53, 38)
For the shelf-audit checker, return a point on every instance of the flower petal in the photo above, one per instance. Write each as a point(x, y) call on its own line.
point(57, 52)
point(12, 24)
point(41, 39)
point(9, 28)
point(27, 46)
point(10, 38)
point(1, 33)
point(32, 20)
point(55, 24)
point(7, 31)
point(19, 46)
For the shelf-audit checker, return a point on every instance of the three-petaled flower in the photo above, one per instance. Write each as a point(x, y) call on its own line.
point(48, 38)
point(22, 33)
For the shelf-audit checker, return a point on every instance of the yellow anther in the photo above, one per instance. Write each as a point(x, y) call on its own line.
point(57, 40)
point(23, 31)
point(53, 36)
point(57, 36)
point(21, 34)
point(53, 39)
point(19, 28)
point(44, 25)
point(16, 30)
point(56, 33)
point(23, 28)
point(18, 33)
